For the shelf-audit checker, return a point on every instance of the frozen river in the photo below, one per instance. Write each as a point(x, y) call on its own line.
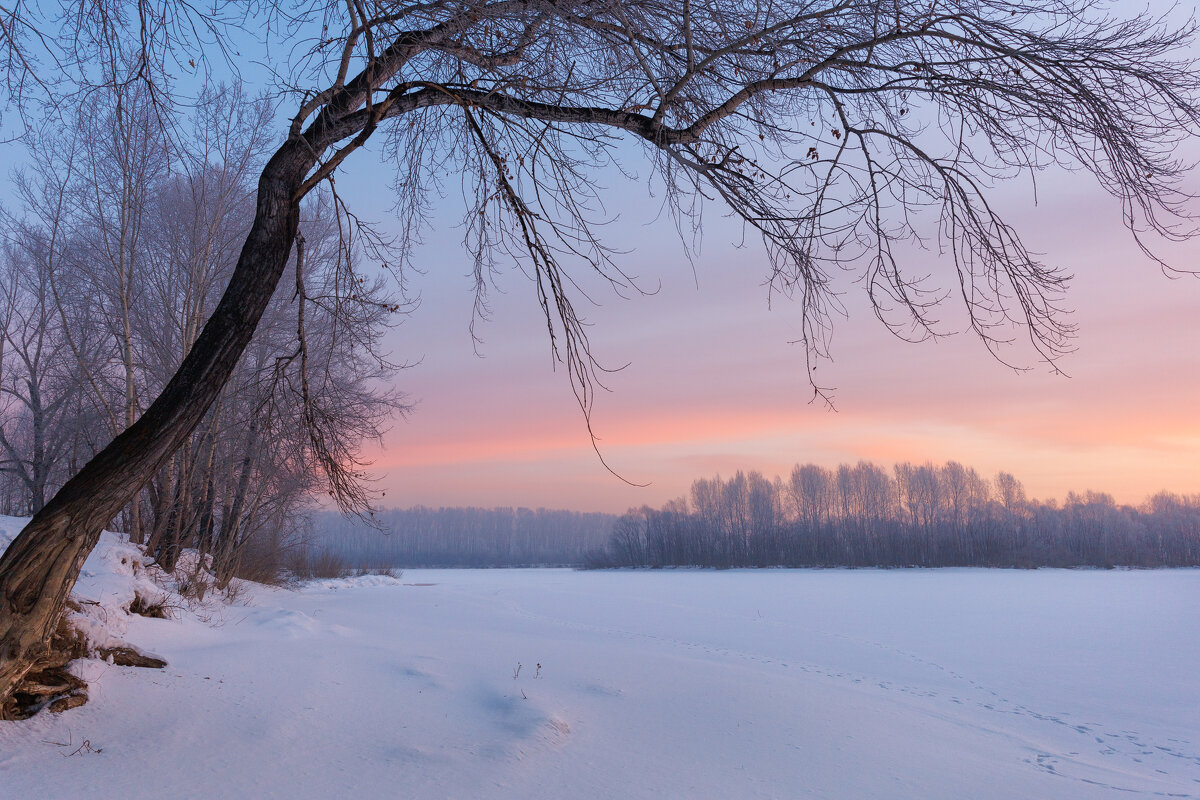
point(652, 684)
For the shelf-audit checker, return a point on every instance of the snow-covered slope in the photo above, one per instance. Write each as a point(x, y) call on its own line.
point(689, 684)
point(112, 577)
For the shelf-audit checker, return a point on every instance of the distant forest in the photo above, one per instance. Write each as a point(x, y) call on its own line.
point(463, 537)
point(852, 516)
point(926, 516)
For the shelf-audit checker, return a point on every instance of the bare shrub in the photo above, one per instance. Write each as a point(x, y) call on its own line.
point(265, 560)
point(234, 592)
point(192, 587)
point(304, 562)
point(327, 565)
point(147, 607)
point(388, 572)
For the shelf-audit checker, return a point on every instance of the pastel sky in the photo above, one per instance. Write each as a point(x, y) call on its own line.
point(713, 385)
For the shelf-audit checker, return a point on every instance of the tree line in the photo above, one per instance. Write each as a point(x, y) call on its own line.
point(915, 515)
point(463, 537)
point(125, 235)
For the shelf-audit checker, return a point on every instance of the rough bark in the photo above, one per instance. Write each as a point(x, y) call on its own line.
point(39, 568)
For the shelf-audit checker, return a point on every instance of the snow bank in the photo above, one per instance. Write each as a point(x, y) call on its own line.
point(352, 582)
point(113, 576)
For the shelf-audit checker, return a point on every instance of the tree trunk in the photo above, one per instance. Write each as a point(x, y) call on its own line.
point(40, 567)
point(223, 557)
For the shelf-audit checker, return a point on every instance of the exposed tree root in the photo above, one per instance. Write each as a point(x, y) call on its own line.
point(48, 685)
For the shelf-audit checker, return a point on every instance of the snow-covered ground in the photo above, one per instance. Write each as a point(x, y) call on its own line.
point(835, 684)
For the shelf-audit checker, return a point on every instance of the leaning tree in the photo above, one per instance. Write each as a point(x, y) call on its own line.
point(840, 131)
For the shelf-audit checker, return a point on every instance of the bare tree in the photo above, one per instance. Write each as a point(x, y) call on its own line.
point(40, 391)
point(829, 127)
point(904, 521)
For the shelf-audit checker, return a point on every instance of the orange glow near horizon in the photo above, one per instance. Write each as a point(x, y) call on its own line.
point(1051, 457)
point(712, 385)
